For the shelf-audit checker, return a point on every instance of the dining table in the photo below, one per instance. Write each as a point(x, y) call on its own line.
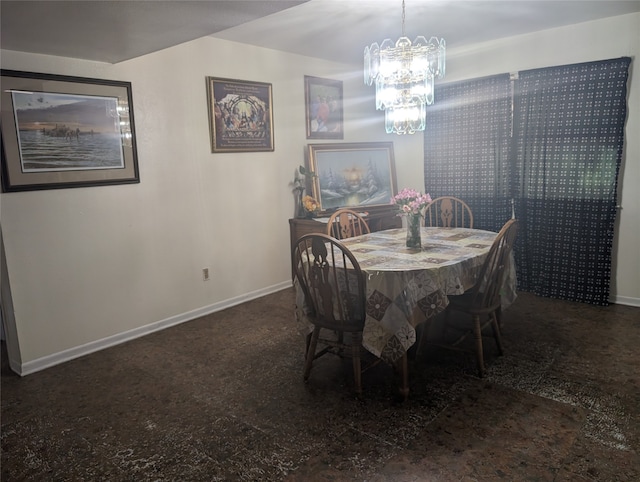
point(406, 287)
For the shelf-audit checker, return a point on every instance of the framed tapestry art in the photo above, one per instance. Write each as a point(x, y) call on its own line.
point(353, 175)
point(61, 132)
point(324, 108)
point(240, 115)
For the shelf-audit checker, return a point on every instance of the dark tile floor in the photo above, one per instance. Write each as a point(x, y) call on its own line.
point(222, 398)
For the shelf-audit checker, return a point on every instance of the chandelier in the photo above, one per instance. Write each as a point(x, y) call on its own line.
point(404, 76)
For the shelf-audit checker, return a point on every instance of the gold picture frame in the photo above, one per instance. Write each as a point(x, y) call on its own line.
point(353, 175)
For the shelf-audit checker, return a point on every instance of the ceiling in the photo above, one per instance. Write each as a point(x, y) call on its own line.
point(337, 30)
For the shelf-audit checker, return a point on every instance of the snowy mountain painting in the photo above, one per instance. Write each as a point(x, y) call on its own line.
point(352, 176)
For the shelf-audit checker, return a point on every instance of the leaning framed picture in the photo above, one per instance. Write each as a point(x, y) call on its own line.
point(353, 175)
point(324, 108)
point(240, 115)
point(62, 132)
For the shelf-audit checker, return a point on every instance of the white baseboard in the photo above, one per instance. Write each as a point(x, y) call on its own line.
point(33, 366)
point(625, 300)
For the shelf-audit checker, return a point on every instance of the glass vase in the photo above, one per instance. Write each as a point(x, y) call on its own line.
point(413, 231)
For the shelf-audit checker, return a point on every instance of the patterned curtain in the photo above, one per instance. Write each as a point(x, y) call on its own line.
point(568, 140)
point(558, 154)
point(466, 147)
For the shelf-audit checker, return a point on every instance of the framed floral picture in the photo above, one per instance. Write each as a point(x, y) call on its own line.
point(324, 108)
point(240, 115)
point(62, 132)
point(353, 175)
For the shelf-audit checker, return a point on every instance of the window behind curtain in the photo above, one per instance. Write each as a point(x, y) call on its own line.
point(568, 133)
point(561, 166)
point(466, 146)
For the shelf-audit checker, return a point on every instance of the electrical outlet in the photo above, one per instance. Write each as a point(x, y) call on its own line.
point(205, 274)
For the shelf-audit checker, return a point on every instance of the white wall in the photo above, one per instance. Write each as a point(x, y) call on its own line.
point(90, 267)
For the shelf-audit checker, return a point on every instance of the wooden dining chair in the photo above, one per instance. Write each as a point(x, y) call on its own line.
point(346, 223)
point(448, 212)
point(482, 302)
point(334, 291)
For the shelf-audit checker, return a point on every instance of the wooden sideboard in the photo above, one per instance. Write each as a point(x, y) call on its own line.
point(378, 219)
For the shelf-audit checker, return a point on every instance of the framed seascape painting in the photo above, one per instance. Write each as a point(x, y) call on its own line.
point(353, 175)
point(240, 115)
point(324, 108)
point(63, 132)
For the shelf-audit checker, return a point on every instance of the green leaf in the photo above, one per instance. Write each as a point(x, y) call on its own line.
point(306, 172)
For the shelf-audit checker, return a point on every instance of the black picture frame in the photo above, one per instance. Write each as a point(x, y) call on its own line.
point(240, 115)
point(60, 132)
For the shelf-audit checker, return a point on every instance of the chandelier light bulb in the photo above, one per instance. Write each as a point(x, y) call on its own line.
point(403, 74)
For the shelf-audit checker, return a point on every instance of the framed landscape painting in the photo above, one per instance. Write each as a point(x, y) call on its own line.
point(353, 175)
point(324, 108)
point(62, 132)
point(240, 115)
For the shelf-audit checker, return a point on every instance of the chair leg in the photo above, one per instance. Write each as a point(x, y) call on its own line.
point(356, 343)
point(311, 351)
point(420, 329)
point(495, 326)
point(404, 374)
point(478, 335)
point(307, 343)
point(445, 323)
